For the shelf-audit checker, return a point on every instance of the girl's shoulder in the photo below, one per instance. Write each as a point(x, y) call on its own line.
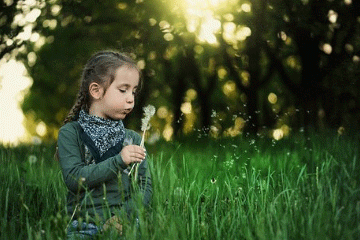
point(70, 126)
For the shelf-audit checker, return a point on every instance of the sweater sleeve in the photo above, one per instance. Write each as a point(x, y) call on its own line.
point(76, 174)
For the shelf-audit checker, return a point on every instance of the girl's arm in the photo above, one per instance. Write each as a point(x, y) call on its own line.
point(76, 173)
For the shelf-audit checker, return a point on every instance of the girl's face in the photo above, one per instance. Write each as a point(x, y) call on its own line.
point(119, 98)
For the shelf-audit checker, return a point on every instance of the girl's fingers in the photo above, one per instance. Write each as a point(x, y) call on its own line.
point(136, 148)
point(139, 156)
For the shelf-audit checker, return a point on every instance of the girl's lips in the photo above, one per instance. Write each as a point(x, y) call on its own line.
point(126, 111)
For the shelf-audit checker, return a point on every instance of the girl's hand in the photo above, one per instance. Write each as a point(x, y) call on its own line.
point(132, 154)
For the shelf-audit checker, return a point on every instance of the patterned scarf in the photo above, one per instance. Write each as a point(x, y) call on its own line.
point(105, 133)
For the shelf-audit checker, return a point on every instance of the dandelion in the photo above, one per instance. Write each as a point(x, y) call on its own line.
point(149, 111)
point(229, 163)
point(32, 159)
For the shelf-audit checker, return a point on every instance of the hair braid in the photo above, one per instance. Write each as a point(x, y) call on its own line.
point(81, 102)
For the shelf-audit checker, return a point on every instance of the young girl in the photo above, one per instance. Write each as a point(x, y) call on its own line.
point(95, 150)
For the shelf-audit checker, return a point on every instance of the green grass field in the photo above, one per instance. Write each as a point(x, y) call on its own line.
point(240, 188)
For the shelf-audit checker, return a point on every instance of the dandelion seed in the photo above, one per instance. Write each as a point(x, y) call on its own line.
point(128, 141)
point(341, 130)
point(213, 113)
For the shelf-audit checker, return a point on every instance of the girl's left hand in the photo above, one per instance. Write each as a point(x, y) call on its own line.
point(132, 154)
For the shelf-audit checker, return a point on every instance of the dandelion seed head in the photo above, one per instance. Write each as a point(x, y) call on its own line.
point(32, 159)
point(149, 111)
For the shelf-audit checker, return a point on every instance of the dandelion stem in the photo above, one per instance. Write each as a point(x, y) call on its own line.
point(141, 145)
point(142, 139)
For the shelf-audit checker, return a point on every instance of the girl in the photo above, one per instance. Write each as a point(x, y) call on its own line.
point(95, 150)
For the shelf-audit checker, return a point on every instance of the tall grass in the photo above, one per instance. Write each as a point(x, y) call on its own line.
point(243, 188)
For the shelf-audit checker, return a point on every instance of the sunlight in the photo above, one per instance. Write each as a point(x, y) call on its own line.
point(168, 132)
point(207, 18)
point(200, 16)
point(272, 98)
point(13, 85)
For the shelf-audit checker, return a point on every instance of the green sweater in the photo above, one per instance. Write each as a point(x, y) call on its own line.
point(98, 189)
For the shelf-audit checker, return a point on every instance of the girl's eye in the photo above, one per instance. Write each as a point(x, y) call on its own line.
point(122, 90)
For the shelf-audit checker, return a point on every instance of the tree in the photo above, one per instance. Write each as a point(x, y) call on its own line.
point(263, 45)
point(325, 36)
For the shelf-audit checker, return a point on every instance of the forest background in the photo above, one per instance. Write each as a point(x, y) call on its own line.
point(218, 67)
point(275, 84)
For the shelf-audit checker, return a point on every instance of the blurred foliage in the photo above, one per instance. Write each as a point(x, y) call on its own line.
point(9, 28)
point(222, 67)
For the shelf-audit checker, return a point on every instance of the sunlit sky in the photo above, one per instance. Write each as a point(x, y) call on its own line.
point(13, 83)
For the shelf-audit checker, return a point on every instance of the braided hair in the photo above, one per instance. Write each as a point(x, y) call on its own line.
point(101, 68)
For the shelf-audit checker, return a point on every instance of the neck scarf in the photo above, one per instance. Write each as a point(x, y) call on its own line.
point(105, 133)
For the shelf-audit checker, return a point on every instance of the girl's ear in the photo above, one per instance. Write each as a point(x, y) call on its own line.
point(96, 90)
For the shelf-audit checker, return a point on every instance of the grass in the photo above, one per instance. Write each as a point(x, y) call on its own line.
point(240, 188)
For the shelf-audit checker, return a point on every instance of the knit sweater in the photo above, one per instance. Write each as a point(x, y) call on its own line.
point(98, 190)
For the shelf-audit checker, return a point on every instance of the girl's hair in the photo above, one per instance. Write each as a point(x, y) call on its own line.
point(101, 68)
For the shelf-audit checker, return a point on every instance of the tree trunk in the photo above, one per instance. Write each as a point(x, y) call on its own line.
point(178, 92)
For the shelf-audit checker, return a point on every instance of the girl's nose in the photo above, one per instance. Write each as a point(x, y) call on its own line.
point(130, 98)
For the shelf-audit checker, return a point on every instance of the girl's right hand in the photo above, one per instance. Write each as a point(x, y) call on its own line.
point(132, 154)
